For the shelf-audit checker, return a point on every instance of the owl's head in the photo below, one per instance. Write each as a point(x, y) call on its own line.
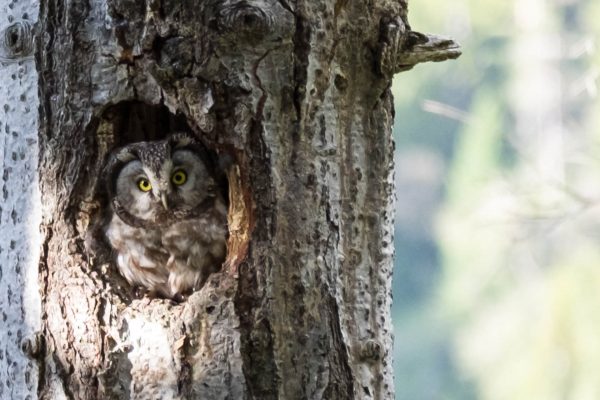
point(151, 182)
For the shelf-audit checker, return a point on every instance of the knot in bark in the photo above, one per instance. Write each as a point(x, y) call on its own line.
point(248, 21)
point(16, 41)
point(33, 345)
point(371, 351)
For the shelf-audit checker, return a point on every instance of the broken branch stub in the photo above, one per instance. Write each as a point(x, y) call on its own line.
point(401, 48)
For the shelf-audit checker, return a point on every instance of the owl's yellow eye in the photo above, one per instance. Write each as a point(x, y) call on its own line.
point(144, 184)
point(179, 177)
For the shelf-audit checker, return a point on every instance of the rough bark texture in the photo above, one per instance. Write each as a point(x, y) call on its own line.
point(20, 212)
point(296, 94)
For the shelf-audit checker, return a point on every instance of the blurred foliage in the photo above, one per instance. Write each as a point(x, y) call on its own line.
point(497, 273)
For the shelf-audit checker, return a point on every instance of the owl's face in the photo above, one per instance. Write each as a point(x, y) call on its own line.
point(159, 180)
point(168, 217)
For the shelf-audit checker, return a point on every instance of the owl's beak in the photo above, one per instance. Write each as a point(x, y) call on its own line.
point(165, 202)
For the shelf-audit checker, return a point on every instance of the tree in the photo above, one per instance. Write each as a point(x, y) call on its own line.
point(297, 96)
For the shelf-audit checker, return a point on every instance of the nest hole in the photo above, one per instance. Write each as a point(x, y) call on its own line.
point(131, 122)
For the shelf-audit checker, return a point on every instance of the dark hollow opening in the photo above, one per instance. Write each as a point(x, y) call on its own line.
point(136, 122)
point(132, 122)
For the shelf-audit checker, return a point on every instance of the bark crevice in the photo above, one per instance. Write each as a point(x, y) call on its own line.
point(288, 95)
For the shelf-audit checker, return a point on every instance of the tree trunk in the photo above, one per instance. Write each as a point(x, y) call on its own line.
point(20, 208)
point(296, 96)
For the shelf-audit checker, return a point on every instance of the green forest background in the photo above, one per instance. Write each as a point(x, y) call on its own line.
point(497, 275)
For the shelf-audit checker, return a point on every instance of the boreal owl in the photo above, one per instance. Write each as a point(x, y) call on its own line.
point(168, 218)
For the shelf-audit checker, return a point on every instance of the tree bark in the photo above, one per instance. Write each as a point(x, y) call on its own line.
point(20, 208)
point(296, 96)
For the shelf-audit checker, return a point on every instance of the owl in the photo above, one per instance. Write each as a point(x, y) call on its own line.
point(167, 222)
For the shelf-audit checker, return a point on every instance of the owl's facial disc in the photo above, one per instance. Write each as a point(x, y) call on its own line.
point(134, 188)
point(160, 193)
point(153, 189)
point(144, 184)
point(179, 177)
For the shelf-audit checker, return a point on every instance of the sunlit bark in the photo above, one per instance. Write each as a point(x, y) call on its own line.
point(295, 97)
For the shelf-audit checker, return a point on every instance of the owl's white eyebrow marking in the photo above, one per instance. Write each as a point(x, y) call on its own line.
point(139, 177)
point(165, 170)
